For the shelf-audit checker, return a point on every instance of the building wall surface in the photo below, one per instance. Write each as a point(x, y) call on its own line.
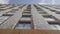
point(29, 19)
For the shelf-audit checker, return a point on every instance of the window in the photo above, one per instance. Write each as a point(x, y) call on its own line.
point(11, 7)
point(24, 25)
point(10, 13)
point(54, 11)
point(55, 25)
point(29, 7)
point(42, 12)
point(27, 12)
point(21, 6)
point(24, 22)
point(14, 10)
point(38, 8)
point(2, 9)
point(26, 15)
point(25, 19)
point(57, 12)
point(7, 14)
point(3, 18)
point(46, 8)
point(49, 18)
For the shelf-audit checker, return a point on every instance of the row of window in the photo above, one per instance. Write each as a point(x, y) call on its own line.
point(28, 8)
point(52, 22)
point(38, 8)
point(54, 11)
point(25, 21)
point(22, 6)
point(5, 16)
point(8, 14)
point(50, 19)
point(9, 6)
point(54, 6)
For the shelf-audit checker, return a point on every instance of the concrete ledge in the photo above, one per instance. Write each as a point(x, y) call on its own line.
point(8, 31)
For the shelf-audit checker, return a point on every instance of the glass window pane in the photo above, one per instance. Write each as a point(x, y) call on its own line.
point(26, 18)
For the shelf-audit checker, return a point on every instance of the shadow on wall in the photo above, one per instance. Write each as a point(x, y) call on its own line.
point(24, 1)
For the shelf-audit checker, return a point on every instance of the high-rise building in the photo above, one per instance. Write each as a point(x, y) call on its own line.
point(30, 19)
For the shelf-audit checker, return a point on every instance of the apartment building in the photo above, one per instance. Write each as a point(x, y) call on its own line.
point(30, 17)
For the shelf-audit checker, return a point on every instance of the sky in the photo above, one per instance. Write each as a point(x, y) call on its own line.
point(28, 1)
